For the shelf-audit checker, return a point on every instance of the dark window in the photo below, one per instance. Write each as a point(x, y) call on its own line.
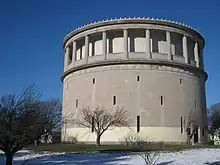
point(181, 122)
point(138, 123)
point(138, 78)
point(70, 54)
point(77, 103)
point(93, 80)
point(93, 124)
point(81, 53)
point(203, 132)
point(181, 81)
point(114, 100)
point(161, 100)
point(110, 45)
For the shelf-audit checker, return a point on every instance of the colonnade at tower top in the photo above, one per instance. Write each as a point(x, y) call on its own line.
point(126, 41)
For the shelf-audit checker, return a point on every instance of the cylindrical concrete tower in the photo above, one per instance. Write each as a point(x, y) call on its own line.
point(153, 68)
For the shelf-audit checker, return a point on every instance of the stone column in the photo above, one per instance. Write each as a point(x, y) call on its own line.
point(185, 49)
point(86, 49)
point(66, 58)
point(104, 44)
point(168, 37)
point(125, 31)
point(196, 53)
point(74, 52)
point(148, 46)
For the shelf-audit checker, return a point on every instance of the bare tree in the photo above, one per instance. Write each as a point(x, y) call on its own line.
point(142, 144)
point(51, 117)
point(100, 120)
point(191, 126)
point(214, 119)
point(22, 120)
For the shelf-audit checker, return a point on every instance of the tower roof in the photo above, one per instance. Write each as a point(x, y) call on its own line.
point(126, 20)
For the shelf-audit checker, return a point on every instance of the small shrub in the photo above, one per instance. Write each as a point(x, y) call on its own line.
point(71, 140)
point(144, 146)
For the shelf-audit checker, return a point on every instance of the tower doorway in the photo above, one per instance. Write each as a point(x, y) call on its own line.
point(196, 136)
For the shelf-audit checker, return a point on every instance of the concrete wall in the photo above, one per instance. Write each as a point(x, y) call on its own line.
point(156, 134)
point(181, 91)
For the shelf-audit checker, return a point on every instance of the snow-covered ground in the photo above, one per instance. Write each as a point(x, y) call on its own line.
point(187, 157)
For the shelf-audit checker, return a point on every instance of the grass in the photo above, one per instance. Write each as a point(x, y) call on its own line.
point(114, 148)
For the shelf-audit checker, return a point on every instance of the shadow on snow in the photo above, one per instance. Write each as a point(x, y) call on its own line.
point(165, 163)
point(75, 158)
point(213, 163)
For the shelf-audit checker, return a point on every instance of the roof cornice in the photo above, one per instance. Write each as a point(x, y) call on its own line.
point(131, 20)
point(132, 61)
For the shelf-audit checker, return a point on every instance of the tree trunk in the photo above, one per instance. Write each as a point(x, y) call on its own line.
point(35, 143)
point(188, 139)
point(98, 140)
point(9, 159)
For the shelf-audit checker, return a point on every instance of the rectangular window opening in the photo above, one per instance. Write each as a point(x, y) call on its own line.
point(70, 59)
point(93, 124)
point(203, 132)
point(77, 103)
point(181, 123)
point(93, 80)
point(70, 54)
point(138, 123)
point(181, 81)
point(138, 78)
point(161, 100)
point(81, 54)
point(114, 100)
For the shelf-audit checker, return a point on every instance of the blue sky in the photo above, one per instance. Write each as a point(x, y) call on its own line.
point(32, 32)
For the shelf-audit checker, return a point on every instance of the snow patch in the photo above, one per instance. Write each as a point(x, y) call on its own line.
point(186, 157)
